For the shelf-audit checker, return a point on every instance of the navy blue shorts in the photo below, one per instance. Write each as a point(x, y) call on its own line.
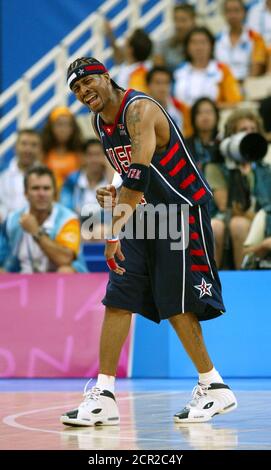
point(160, 282)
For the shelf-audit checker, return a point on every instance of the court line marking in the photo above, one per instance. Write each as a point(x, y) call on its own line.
point(11, 420)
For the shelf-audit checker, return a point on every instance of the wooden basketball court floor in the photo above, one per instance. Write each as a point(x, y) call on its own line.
point(30, 410)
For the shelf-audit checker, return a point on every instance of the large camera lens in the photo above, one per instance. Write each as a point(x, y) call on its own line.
point(244, 147)
point(253, 147)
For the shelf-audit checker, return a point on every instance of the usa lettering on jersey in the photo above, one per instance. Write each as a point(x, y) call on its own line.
point(120, 157)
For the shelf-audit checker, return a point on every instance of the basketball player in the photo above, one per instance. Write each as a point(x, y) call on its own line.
point(147, 277)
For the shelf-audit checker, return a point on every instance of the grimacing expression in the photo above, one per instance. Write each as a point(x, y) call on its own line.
point(40, 192)
point(93, 91)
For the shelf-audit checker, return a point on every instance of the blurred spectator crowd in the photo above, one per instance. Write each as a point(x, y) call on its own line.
point(199, 77)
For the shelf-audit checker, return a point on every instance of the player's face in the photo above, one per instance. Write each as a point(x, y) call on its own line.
point(234, 13)
point(40, 192)
point(93, 91)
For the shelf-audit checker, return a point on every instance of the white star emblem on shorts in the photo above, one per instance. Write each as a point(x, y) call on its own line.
point(204, 288)
point(81, 71)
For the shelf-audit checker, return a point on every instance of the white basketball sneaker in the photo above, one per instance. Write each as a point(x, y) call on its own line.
point(98, 408)
point(207, 401)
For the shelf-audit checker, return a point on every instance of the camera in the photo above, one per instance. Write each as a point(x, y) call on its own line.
point(243, 147)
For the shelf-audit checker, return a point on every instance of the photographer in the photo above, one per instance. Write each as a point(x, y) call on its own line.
point(248, 179)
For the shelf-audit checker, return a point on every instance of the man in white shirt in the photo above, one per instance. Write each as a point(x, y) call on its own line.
point(28, 153)
point(45, 237)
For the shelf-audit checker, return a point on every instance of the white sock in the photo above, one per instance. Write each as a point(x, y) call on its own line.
point(210, 377)
point(106, 382)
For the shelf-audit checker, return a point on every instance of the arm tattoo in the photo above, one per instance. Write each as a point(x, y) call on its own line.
point(133, 121)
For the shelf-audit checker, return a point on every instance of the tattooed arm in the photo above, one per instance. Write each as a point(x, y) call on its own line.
point(140, 122)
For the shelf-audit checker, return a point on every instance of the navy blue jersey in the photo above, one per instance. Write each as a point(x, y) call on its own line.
point(174, 176)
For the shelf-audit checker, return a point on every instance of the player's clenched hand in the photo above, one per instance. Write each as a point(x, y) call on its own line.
point(107, 196)
point(111, 252)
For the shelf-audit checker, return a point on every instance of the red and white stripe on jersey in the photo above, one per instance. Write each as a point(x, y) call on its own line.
point(187, 180)
point(198, 251)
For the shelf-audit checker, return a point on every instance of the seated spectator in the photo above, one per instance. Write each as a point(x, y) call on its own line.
point(159, 80)
point(257, 246)
point(204, 147)
point(259, 19)
point(28, 153)
point(79, 189)
point(132, 72)
point(241, 48)
point(201, 75)
point(203, 142)
point(248, 185)
point(44, 237)
point(170, 51)
point(62, 142)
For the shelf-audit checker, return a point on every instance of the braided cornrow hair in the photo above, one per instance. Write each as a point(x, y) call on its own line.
point(81, 61)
